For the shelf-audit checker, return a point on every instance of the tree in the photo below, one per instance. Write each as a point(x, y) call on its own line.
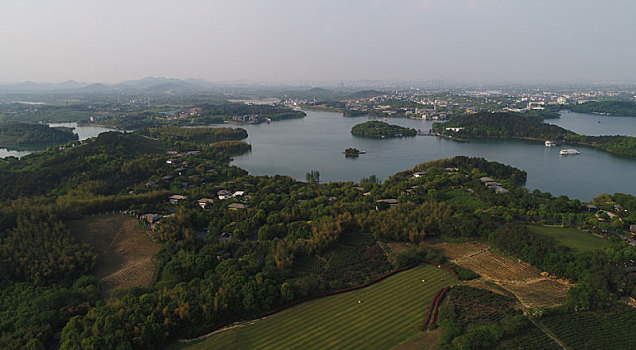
point(286, 292)
point(313, 176)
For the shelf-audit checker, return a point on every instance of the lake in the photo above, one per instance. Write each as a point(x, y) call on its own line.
point(595, 125)
point(316, 142)
point(82, 131)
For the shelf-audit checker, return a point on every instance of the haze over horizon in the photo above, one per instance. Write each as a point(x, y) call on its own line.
point(294, 41)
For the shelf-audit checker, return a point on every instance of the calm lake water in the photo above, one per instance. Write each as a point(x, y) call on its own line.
point(8, 153)
point(82, 131)
point(595, 125)
point(316, 142)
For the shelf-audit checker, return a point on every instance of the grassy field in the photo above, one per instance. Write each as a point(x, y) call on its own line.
point(570, 237)
point(380, 316)
point(124, 252)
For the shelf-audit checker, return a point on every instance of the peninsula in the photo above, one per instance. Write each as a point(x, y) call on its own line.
point(26, 135)
point(514, 125)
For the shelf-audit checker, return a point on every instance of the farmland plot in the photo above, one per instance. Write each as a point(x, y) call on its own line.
point(124, 252)
point(523, 280)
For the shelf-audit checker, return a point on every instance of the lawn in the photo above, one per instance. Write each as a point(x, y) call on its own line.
point(377, 317)
point(571, 237)
point(461, 198)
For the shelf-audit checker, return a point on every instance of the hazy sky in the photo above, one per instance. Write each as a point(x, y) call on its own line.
point(319, 40)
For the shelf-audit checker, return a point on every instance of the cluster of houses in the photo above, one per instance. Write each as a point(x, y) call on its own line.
point(250, 119)
point(173, 115)
point(493, 185)
point(225, 194)
point(177, 154)
point(617, 212)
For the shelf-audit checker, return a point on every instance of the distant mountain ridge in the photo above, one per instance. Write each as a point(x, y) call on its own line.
point(151, 85)
point(173, 86)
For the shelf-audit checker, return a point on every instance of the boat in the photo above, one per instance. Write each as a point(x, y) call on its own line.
point(549, 143)
point(571, 151)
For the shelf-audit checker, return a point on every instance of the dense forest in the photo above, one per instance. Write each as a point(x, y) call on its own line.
point(625, 108)
point(272, 242)
point(512, 125)
point(380, 129)
point(21, 135)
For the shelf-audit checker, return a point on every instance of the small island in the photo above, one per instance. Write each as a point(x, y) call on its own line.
point(32, 136)
point(353, 152)
point(381, 130)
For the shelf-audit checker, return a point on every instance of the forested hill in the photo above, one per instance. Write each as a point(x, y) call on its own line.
point(195, 134)
point(32, 135)
point(463, 163)
point(500, 125)
point(624, 108)
point(107, 158)
point(513, 125)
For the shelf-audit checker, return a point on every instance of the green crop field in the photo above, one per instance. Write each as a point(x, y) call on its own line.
point(571, 237)
point(594, 330)
point(376, 317)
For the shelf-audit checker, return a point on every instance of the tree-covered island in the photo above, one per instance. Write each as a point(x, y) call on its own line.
point(353, 152)
point(380, 129)
point(513, 125)
point(25, 135)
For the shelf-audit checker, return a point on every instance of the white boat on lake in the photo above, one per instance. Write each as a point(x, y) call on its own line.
point(549, 143)
point(571, 151)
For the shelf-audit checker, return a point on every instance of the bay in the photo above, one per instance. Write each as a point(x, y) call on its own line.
point(595, 124)
point(316, 142)
point(83, 132)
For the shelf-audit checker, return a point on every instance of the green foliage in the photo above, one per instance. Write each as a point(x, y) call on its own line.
point(41, 250)
point(352, 152)
point(507, 125)
point(23, 135)
point(501, 125)
point(408, 221)
point(600, 278)
point(110, 158)
point(474, 318)
point(594, 329)
point(351, 320)
point(415, 254)
point(381, 129)
point(313, 176)
point(626, 108)
point(572, 238)
point(231, 148)
point(29, 315)
point(200, 134)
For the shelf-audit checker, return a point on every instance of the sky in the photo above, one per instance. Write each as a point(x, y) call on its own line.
point(319, 40)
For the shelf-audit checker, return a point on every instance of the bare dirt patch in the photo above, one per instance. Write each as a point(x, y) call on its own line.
point(124, 252)
point(523, 280)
